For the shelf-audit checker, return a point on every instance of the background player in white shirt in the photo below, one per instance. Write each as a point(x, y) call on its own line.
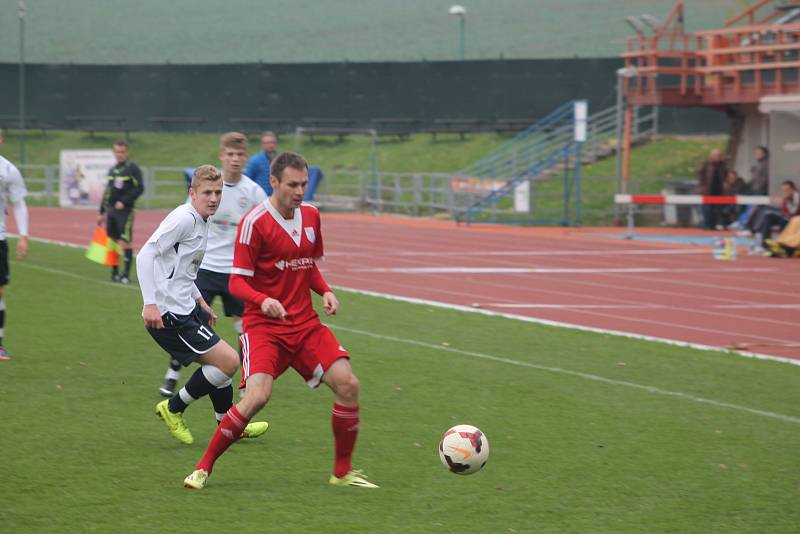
point(12, 189)
point(239, 195)
point(176, 315)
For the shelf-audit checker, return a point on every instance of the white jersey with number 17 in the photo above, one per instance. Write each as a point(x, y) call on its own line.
point(180, 241)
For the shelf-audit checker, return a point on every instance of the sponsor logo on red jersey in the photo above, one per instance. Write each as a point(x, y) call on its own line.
point(296, 264)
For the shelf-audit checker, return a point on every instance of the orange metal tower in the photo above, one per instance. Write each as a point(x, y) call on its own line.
point(755, 55)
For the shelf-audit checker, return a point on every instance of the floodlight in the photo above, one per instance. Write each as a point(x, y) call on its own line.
point(637, 25)
point(651, 21)
point(457, 10)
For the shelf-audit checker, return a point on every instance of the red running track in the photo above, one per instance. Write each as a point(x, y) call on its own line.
point(675, 292)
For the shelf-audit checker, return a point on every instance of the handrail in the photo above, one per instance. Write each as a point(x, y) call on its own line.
point(749, 13)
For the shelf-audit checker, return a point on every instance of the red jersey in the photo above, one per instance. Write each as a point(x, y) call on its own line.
point(276, 258)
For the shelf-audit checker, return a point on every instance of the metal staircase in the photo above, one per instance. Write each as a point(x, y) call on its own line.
point(545, 151)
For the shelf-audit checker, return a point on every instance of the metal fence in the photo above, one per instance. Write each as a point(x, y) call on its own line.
point(407, 193)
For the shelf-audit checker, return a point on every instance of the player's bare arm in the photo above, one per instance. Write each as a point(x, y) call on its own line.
point(22, 247)
point(330, 303)
point(152, 317)
point(273, 308)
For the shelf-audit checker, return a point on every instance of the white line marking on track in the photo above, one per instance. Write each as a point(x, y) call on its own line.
point(548, 253)
point(586, 376)
point(468, 309)
point(571, 326)
point(577, 306)
point(553, 270)
point(759, 306)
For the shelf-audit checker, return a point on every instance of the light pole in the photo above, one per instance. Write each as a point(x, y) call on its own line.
point(21, 13)
point(623, 75)
point(461, 13)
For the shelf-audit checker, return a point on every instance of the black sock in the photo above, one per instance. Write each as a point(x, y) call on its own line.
point(2, 318)
point(128, 258)
point(114, 270)
point(197, 386)
point(222, 399)
point(174, 364)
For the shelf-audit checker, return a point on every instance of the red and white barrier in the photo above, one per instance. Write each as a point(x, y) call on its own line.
point(686, 200)
point(692, 200)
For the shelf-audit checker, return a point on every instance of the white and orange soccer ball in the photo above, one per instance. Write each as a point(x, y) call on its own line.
point(464, 449)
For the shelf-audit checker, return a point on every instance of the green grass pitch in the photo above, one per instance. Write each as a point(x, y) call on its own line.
point(578, 445)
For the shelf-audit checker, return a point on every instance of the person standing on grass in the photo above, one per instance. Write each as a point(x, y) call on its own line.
point(12, 189)
point(116, 209)
point(274, 272)
point(259, 165)
point(174, 312)
point(239, 195)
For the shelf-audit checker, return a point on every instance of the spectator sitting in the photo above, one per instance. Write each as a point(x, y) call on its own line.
point(759, 185)
point(258, 166)
point(787, 245)
point(710, 179)
point(771, 216)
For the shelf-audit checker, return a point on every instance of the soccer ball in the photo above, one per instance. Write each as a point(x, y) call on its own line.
point(464, 449)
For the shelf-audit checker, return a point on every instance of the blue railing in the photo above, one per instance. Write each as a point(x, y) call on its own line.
point(527, 156)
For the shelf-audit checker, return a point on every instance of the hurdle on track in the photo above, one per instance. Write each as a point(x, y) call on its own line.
point(685, 200)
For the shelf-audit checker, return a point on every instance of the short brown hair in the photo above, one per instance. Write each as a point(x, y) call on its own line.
point(287, 159)
point(120, 142)
point(269, 133)
point(233, 140)
point(205, 173)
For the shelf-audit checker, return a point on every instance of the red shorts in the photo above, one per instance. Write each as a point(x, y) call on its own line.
point(310, 352)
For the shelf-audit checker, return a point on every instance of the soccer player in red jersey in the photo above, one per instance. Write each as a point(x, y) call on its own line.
point(274, 272)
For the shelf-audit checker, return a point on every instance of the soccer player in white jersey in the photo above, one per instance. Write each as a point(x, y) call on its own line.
point(12, 189)
point(176, 315)
point(274, 272)
point(239, 195)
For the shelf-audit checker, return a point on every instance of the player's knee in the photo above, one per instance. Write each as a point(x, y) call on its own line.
point(216, 377)
point(228, 362)
point(348, 388)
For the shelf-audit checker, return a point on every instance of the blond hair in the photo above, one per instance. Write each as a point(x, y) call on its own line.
point(205, 173)
point(233, 140)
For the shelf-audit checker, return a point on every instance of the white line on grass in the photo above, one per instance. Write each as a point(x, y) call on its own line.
point(468, 309)
point(553, 270)
point(586, 376)
point(575, 306)
point(26, 263)
point(548, 253)
point(571, 326)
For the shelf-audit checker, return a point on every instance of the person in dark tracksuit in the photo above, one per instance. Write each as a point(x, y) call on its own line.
point(116, 210)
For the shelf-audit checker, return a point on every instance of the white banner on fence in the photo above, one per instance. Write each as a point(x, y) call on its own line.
point(83, 177)
point(522, 197)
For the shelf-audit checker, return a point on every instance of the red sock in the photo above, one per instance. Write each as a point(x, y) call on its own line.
point(344, 420)
point(229, 430)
